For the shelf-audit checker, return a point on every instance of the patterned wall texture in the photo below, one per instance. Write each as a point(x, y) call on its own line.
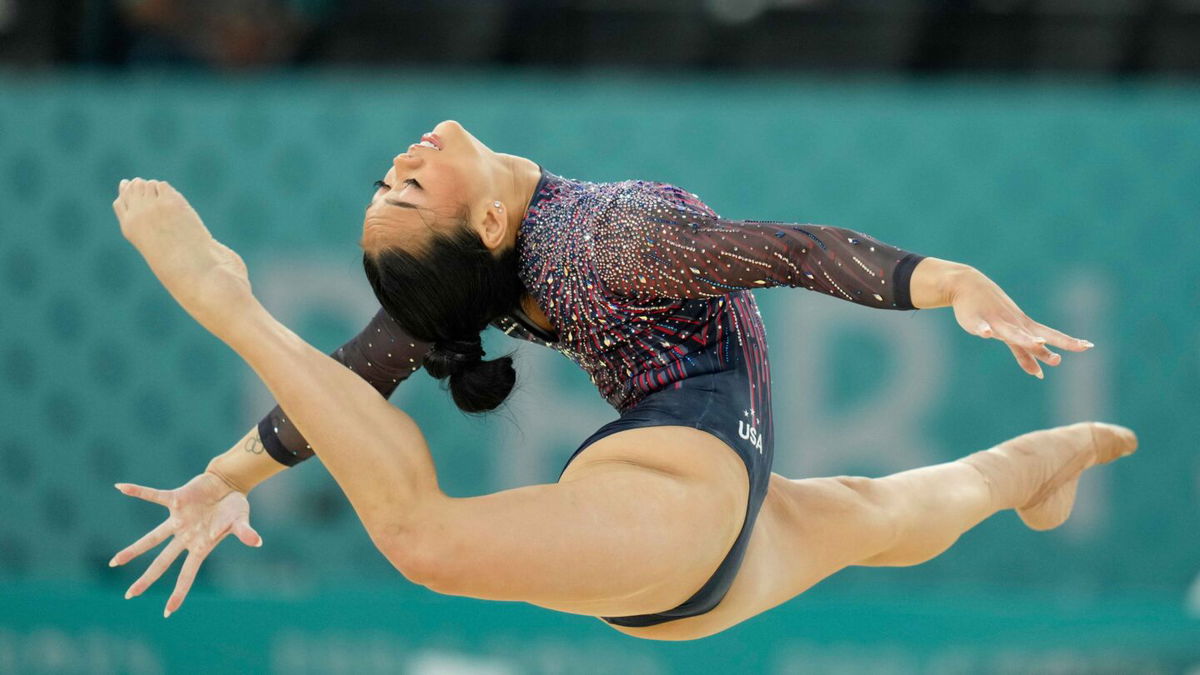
point(1082, 202)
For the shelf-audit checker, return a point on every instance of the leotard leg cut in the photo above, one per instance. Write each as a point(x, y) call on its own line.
point(718, 403)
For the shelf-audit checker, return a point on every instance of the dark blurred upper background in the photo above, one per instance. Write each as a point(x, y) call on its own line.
point(1093, 37)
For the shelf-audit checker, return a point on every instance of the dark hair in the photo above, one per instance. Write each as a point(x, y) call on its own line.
point(445, 295)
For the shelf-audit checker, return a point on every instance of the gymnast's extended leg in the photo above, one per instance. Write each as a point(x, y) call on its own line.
point(809, 529)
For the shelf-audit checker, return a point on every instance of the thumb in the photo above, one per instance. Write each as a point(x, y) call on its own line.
point(983, 329)
point(246, 534)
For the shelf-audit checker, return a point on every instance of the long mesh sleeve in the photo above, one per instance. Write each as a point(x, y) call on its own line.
point(382, 354)
point(650, 246)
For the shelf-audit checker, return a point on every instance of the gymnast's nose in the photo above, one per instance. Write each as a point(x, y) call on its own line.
point(407, 160)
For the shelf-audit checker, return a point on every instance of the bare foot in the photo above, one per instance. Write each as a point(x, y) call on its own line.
point(1095, 443)
point(204, 276)
point(1038, 473)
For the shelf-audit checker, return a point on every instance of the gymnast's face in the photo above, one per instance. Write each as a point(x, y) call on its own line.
point(427, 189)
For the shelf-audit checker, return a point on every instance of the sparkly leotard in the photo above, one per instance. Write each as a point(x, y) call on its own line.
point(649, 291)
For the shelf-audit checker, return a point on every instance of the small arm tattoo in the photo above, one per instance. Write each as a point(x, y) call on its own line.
point(254, 446)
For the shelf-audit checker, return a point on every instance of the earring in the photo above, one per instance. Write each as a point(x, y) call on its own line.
point(498, 205)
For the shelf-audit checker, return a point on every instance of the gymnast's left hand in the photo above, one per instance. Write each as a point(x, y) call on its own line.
point(206, 277)
point(982, 308)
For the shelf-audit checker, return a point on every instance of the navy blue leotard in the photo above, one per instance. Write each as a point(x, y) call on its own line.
point(649, 292)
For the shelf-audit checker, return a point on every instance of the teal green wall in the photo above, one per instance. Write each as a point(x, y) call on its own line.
point(1082, 202)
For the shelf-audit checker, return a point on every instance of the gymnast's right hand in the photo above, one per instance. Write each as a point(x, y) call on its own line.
point(202, 512)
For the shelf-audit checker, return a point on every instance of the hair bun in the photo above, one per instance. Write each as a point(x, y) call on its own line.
point(475, 384)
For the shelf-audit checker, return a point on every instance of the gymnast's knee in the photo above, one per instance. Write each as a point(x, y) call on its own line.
point(414, 550)
point(865, 506)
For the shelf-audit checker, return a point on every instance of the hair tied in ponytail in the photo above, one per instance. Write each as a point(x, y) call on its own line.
point(461, 351)
point(475, 384)
point(454, 286)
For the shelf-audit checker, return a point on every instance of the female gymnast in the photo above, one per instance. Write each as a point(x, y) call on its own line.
point(667, 522)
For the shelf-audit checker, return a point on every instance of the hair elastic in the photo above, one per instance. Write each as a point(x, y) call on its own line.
point(461, 350)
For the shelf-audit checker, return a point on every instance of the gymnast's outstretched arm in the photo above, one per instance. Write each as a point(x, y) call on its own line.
point(214, 505)
point(670, 245)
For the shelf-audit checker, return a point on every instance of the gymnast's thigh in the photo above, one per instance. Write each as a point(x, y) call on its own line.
point(806, 530)
point(635, 525)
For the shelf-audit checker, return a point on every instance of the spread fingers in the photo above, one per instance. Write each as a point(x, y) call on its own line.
point(148, 541)
point(156, 569)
